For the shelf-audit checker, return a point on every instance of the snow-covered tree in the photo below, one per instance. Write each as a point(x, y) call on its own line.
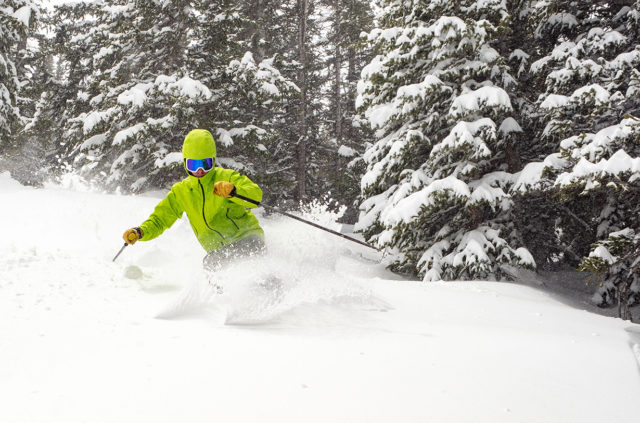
point(587, 70)
point(345, 133)
point(615, 263)
point(58, 85)
point(437, 188)
point(16, 17)
point(254, 106)
point(242, 58)
point(141, 97)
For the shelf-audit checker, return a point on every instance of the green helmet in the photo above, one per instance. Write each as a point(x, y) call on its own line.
point(198, 144)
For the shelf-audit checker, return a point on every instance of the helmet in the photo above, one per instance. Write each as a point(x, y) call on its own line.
point(198, 144)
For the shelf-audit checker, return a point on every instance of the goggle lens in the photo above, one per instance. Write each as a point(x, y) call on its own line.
point(193, 165)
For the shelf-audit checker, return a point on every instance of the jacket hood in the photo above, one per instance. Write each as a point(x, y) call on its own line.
point(198, 144)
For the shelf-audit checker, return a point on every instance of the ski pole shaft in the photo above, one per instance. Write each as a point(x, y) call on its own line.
point(293, 216)
point(119, 252)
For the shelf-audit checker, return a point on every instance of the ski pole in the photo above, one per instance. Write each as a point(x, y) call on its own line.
point(121, 250)
point(276, 210)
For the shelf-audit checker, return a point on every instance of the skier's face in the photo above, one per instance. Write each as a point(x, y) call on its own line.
point(199, 173)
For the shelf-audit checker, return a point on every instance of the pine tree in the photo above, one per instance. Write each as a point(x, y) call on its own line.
point(252, 115)
point(16, 18)
point(436, 189)
point(585, 180)
point(142, 99)
point(346, 135)
point(57, 86)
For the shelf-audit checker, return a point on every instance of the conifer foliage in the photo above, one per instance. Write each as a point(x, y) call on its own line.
point(16, 17)
point(436, 187)
point(588, 114)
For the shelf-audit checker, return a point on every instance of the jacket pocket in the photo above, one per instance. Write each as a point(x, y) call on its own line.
point(235, 212)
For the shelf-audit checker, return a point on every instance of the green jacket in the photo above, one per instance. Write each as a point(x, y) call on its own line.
point(215, 220)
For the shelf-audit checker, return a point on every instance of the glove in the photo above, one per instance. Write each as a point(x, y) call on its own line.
point(224, 189)
point(130, 236)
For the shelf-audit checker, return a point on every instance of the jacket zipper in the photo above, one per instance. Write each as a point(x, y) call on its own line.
point(203, 216)
point(232, 221)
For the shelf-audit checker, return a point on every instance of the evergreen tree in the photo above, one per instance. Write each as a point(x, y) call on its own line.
point(436, 189)
point(58, 86)
point(142, 99)
point(16, 17)
point(252, 111)
point(345, 134)
point(586, 187)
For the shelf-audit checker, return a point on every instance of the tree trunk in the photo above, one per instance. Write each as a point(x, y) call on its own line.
point(258, 34)
point(337, 85)
point(337, 93)
point(352, 79)
point(301, 173)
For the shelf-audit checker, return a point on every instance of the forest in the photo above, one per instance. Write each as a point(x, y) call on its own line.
point(468, 139)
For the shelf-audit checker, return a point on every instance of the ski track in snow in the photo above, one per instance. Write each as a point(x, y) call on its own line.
point(148, 338)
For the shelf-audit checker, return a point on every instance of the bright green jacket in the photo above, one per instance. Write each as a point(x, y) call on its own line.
point(215, 220)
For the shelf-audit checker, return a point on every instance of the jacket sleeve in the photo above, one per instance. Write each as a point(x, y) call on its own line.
point(163, 216)
point(247, 188)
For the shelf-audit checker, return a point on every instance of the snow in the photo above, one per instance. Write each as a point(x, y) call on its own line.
point(23, 15)
point(627, 59)
point(191, 88)
point(529, 176)
point(492, 97)
point(135, 96)
point(447, 27)
point(223, 137)
point(525, 257)
point(519, 55)
point(370, 210)
point(599, 94)
point(487, 193)
point(473, 134)
point(563, 20)
point(509, 126)
point(347, 343)
point(93, 141)
point(171, 158)
point(103, 52)
point(603, 253)
point(554, 101)
point(345, 151)
point(185, 86)
point(89, 121)
point(407, 98)
point(379, 114)
point(594, 146)
point(409, 207)
point(127, 133)
point(620, 162)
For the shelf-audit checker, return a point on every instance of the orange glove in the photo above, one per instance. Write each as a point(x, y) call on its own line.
point(130, 236)
point(224, 189)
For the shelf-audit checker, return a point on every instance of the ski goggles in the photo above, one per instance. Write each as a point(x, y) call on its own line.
point(193, 165)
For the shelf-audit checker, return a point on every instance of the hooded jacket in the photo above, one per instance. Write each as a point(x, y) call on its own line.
point(216, 221)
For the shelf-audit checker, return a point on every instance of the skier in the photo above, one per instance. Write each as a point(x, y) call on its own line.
point(221, 222)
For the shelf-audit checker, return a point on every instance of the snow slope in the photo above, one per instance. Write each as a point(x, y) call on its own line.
point(88, 340)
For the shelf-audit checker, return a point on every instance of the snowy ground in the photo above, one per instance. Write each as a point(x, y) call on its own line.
point(85, 339)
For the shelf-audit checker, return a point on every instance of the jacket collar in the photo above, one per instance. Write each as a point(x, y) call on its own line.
point(206, 179)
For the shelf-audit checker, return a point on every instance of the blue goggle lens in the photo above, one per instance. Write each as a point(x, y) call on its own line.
point(193, 165)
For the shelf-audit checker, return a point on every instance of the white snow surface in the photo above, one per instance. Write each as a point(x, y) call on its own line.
point(23, 15)
point(491, 97)
point(147, 339)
